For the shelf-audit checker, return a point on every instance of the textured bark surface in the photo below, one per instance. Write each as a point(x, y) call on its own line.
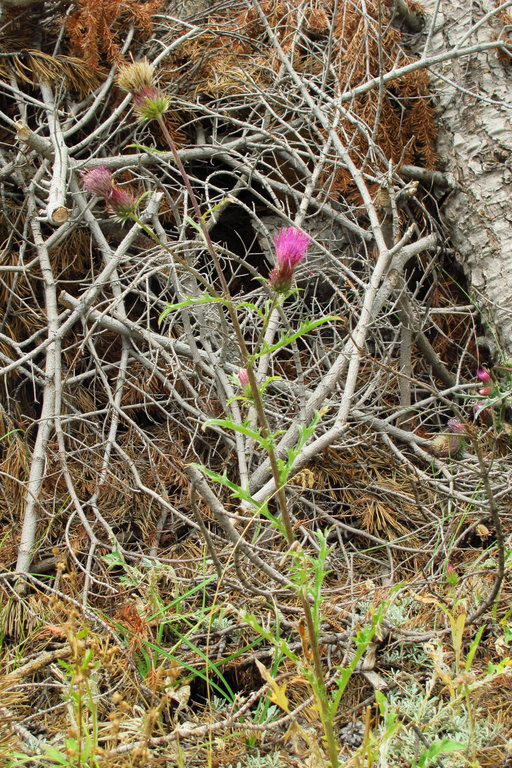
point(475, 146)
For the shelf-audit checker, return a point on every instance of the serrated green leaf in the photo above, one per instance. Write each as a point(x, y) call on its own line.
point(250, 305)
point(223, 479)
point(243, 428)
point(192, 223)
point(264, 386)
point(56, 755)
point(191, 301)
point(443, 747)
point(148, 149)
point(305, 327)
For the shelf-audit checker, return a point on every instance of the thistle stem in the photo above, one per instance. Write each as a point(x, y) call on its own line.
point(320, 687)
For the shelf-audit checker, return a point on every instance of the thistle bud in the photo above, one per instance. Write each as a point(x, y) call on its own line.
point(451, 575)
point(484, 376)
point(451, 443)
point(243, 378)
point(445, 446)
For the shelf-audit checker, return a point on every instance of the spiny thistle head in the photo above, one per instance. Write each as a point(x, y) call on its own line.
point(122, 203)
point(455, 426)
point(99, 182)
point(138, 79)
point(135, 76)
point(450, 443)
point(291, 245)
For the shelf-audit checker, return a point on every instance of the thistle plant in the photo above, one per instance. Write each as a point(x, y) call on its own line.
point(291, 244)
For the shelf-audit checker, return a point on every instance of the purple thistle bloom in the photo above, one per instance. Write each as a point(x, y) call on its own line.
point(455, 426)
point(484, 376)
point(291, 245)
point(98, 181)
point(121, 202)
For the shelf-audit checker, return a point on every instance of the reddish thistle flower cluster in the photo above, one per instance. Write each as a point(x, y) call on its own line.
point(291, 245)
point(480, 412)
point(100, 183)
point(485, 378)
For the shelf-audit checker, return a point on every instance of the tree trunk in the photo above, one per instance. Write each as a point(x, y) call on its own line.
point(473, 94)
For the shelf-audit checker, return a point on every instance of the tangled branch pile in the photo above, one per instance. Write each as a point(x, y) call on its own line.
point(314, 116)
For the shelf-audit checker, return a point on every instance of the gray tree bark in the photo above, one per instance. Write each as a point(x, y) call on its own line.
point(474, 98)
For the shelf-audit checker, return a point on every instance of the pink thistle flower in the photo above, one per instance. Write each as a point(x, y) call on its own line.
point(122, 203)
point(455, 426)
point(98, 181)
point(483, 375)
point(485, 391)
point(291, 245)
